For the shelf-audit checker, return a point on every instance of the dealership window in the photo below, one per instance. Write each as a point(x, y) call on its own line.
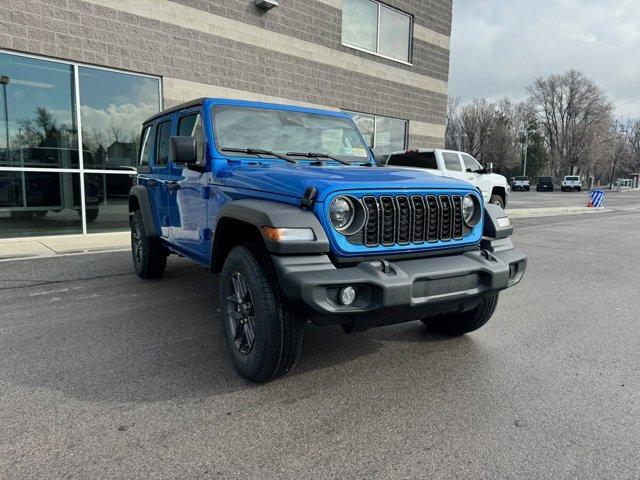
point(377, 28)
point(384, 134)
point(47, 109)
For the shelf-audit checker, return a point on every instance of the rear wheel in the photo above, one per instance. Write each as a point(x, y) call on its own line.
point(497, 200)
point(149, 256)
point(263, 337)
point(457, 324)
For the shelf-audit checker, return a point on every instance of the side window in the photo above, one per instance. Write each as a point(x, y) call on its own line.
point(191, 126)
point(162, 143)
point(470, 163)
point(146, 146)
point(451, 161)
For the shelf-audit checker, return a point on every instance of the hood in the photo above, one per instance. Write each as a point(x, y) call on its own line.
point(497, 179)
point(293, 180)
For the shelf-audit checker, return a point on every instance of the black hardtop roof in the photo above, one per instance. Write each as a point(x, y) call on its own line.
point(182, 106)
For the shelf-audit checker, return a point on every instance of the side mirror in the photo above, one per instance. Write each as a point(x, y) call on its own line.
point(488, 168)
point(184, 151)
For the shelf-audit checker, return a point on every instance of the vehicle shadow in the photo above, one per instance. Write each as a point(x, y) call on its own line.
point(146, 341)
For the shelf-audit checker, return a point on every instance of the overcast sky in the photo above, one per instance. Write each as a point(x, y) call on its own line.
point(498, 47)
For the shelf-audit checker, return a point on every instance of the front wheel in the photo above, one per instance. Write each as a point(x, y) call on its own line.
point(457, 324)
point(263, 337)
point(497, 200)
point(149, 256)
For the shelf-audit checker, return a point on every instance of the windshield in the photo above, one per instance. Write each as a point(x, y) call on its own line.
point(521, 179)
point(544, 179)
point(284, 131)
point(571, 179)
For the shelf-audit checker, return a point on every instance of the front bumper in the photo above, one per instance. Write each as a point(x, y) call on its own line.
point(398, 291)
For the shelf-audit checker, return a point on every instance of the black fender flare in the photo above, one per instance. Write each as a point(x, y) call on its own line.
point(141, 196)
point(265, 213)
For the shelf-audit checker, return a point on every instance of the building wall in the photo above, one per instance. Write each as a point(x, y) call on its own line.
point(292, 53)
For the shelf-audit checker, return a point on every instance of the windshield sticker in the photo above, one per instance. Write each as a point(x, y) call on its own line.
point(359, 152)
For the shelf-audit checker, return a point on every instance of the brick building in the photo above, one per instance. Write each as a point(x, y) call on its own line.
point(86, 73)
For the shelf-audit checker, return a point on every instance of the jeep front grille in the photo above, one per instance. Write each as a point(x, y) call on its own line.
point(403, 219)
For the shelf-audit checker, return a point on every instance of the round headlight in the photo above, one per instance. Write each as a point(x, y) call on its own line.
point(470, 210)
point(341, 213)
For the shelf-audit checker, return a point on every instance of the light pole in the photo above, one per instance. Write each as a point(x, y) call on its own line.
point(4, 81)
point(526, 149)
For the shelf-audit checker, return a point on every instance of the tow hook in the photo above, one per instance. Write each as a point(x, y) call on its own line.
point(487, 256)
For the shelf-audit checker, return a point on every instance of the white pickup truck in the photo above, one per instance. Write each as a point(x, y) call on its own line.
point(449, 163)
point(571, 182)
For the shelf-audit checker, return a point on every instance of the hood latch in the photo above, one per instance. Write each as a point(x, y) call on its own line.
point(309, 198)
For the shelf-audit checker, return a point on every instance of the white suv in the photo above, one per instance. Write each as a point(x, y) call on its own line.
point(571, 182)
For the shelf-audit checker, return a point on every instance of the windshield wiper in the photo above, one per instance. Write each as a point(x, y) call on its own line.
point(258, 152)
point(321, 155)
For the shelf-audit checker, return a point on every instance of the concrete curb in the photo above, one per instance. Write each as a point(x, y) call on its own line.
point(51, 246)
point(553, 211)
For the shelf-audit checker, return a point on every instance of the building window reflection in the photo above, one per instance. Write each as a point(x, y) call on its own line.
point(40, 161)
point(112, 107)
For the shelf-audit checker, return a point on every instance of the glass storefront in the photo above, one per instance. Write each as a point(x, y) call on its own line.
point(46, 108)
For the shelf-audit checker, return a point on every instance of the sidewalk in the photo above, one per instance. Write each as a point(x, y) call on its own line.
point(51, 246)
point(553, 211)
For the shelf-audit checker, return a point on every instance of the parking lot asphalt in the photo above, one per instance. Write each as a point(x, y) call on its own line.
point(103, 375)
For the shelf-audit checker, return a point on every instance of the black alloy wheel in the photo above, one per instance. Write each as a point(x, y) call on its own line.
point(240, 314)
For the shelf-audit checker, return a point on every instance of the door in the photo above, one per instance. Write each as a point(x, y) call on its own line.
point(473, 170)
point(188, 193)
point(159, 176)
point(453, 166)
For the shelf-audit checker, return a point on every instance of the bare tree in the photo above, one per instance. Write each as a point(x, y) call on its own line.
point(571, 109)
point(453, 130)
point(476, 122)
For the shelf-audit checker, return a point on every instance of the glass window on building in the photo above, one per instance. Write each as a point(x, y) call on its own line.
point(38, 121)
point(40, 161)
point(112, 107)
point(391, 136)
point(384, 135)
point(376, 28)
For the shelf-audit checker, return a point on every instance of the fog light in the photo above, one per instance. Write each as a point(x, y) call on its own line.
point(347, 295)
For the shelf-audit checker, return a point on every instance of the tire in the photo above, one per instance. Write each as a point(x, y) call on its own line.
point(528, 188)
point(457, 324)
point(149, 256)
point(497, 200)
point(579, 189)
point(251, 307)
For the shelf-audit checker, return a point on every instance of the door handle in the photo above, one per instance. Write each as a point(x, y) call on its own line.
point(173, 185)
point(152, 183)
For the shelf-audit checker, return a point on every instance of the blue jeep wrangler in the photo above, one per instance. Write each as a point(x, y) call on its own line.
point(288, 206)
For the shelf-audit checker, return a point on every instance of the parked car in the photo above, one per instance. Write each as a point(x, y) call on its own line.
point(571, 182)
point(287, 205)
point(521, 183)
point(460, 165)
point(545, 184)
